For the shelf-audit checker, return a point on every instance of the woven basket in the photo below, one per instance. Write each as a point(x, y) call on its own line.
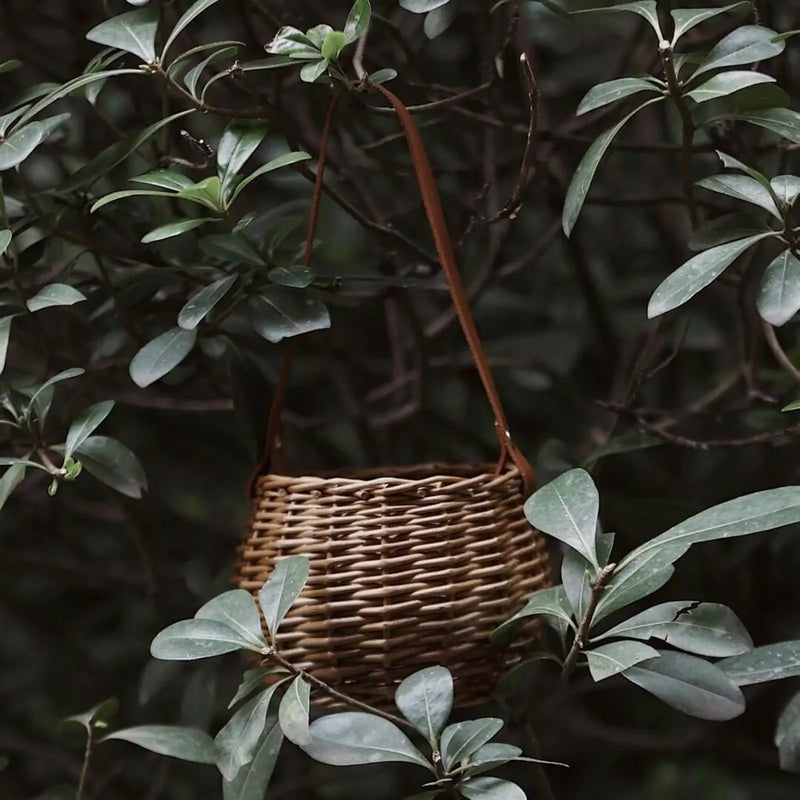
point(410, 566)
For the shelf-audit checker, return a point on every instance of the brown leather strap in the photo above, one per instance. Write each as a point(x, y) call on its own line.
point(444, 248)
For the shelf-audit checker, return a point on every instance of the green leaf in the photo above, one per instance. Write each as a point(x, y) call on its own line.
point(693, 276)
point(295, 277)
point(192, 76)
point(426, 699)
point(310, 72)
point(752, 513)
point(611, 659)
point(726, 228)
point(281, 161)
point(576, 576)
point(200, 304)
point(551, 603)
point(644, 8)
point(687, 18)
point(121, 195)
point(611, 91)
point(490, 789)
point(787, 735)
point(21, 144)
point(237, 609)
point(567, 509)
point(281, 590)
point(56, 294)
point(187, 744)
point(742, 187)
point(5, 241)
point(292, 42)
point(191, 639)
point(175, 229)
point(11, 478)
point(382, 76)
point(786, 188)
point(85, 424)
point(96, 717)
point(793, 406)
point(462, 739)
point(252, 780)
point(207, 193)
point(333, 44)
point(584, 174)
point(251, 680)
point(725, 83)
point(439, 20)
point(115, 154)
point(783, 121)
point(113, 464)
point(161, 355)
point(352, 738)
point(779, 297)
point(689, 684)
point(5, 335)
point(357, 20)
point(231, 248)
point(165, 179)
point(491, 756)
point(277, 313)
point(771, 662)
point(628, 442)
point(293, 712)
point(239, 141)
point(193, 11)
point(422, 6)
point(10, 65)
point(706, 629)
point(134, 32)
point(64, 375)
point(236, 743)
point(743, 45)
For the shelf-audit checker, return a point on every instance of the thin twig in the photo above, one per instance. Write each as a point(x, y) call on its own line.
point(779, 352)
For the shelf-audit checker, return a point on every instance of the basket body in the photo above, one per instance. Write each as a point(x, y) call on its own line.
point(409, 567)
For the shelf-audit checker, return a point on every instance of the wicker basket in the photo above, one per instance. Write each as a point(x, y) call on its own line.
point(410, 566)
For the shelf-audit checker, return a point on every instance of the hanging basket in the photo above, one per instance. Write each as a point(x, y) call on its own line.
point(410, 566)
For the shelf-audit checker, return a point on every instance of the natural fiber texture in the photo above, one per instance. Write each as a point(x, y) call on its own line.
point(410, 567)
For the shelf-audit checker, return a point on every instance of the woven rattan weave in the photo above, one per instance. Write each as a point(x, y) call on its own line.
point(409, 568)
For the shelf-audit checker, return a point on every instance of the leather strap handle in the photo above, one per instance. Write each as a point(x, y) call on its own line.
point(444, 249)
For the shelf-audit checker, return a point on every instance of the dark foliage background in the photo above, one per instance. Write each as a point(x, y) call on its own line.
point(88, 577)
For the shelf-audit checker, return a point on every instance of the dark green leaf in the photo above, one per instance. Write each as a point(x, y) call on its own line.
point(113, 464)
point(134, 32)
point(281, 590)
point(10, 65)
point(281, 161)
point(490, 789)
point(296, 277)
point(252, 780)
point(352, 737)
point(200, 304)
point(783, 121)
point(743, 45)
point(277, 313)
point(693, 276)
point(567, 509)
point(251, 680)
point(56, 294)
point(97, 717)
point(462, 739)
point(5, 335)
point(706, 629)
point(188, 744)
point(175, 229)
point(687, 18)
point(5, 241)
point(771, 662)
point(786, 188)
point(611, 91)
point(192, 76)
point(161, 355)
point(584, 174)
point(611, 659)
point(357, 20)
point(644, 8)
point(193, 11)
point(64, 375)
point(551, 603)
point(787, 736)
point(426, 699)
point(121, 195)
point(20, 145)
point(725, 83)
point(191, 639)
point(576, 573)
point(239, 141)
point(237, 609)
point(11, 478)
point(85, 424)
point(231, 248)
point(491, 756)
point(742, 187)
point(779, 297)
point(689, 684)
point(727, 228)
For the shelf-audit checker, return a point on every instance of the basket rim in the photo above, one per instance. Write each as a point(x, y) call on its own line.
point(413, 473)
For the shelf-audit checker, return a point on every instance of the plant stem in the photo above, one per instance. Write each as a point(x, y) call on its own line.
point(665, 51)
point(597, 587)
point(337, 695)
point(87, 754)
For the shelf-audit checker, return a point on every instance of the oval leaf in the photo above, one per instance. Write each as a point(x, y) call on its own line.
point(113, 464)
point(252, 780)
point(611, 91)
point(200, 304)
point(726, 83)
point(281, 590)
point(239, 141)
point(743, 45)
point(191, 639)
point(277, 313)
point(237, 609)
point(769, 663)
point(134, 32)
point(551, 603)
point(567, 509)
point(56, 294)
point(353, 737)
point(779, 297)
point(689, 684)
point(293, 712)
point(611, 659)
point(426, 700)
point(462, 739)
point(85, 424)
point(172, 229)
point(188, 744)
point(742, 187)
point(490, 789)
point(161, 355)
